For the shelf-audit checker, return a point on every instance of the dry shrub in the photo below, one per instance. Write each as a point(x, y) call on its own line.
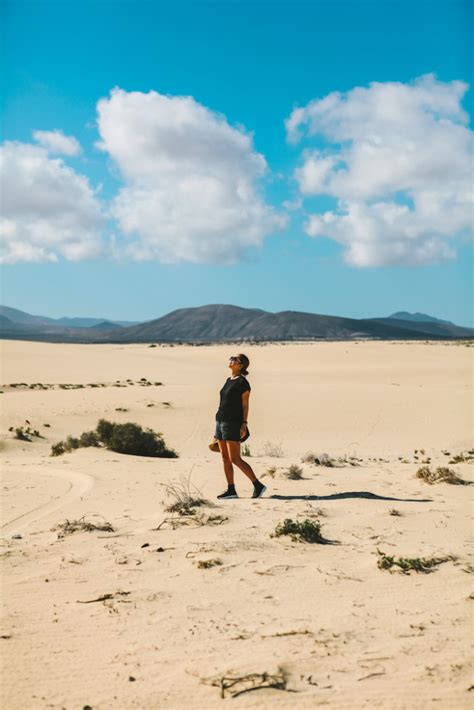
point(68, 527)
point(443, 474)
point(294, 472)
point(272, 448)
point(207, 564)
point(186, 497)
point(235, 685)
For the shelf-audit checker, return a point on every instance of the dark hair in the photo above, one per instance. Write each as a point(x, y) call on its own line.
point(245, 363)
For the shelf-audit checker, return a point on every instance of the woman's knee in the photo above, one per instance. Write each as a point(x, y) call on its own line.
point(235, 458)
point(223, 449)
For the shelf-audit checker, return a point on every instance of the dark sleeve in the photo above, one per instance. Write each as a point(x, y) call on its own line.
point(245, 386)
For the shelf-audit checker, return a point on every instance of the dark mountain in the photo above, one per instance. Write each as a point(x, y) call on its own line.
point(105, 325)
point(418, 318)
point(17, 316)
point(91, 322)
point(435, 328)
point(227, 323)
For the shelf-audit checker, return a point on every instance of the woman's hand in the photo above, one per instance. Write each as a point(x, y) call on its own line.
point(243, 429)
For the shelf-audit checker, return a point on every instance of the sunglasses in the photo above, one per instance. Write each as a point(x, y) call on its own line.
point(234, 358)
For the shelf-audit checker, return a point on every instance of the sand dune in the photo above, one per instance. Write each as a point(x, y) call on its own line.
point(130, 619)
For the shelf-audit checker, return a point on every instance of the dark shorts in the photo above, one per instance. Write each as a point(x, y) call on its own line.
point(228, 431)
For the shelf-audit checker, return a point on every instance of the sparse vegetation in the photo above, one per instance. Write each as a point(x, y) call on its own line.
point(186, 497)
point(25, 433)
point(197, 519)
point(68, 527)
point(294, 472)
point(463, 457)
point(306, 530)
point(128, 438)
point(334, 462)
point(89, 438)
point(207, 564)
point(245, 450)
point(58, 449)
point(443, 474)
point(392, 511)
point(407, 564)
point(271, 448)
point(143, 382)
point(271, 471)
point(237, 685)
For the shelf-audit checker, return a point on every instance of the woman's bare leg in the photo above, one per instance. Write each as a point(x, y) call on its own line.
point(233, 448)
point(228, 468)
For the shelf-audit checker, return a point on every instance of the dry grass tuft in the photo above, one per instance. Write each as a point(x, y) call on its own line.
point(443, 474)
point(68, 527)
point(186, 497)
point(236, 685)
point(207, 564)
point(272, 448)
point(294, 473)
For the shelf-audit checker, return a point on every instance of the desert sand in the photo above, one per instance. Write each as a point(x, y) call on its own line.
point(129, 619)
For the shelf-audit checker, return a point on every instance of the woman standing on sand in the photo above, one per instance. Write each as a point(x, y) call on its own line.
point(231, 426)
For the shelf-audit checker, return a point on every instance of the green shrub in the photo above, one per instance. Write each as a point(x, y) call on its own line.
point(406, 564)
point(307, 530)
point(72, 442)
point(57, 449)
point(131, 439)
point(89, 438)
point(105, 430)
point(126, 438)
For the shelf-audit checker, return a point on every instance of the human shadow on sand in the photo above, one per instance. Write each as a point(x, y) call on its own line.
point(350, 494)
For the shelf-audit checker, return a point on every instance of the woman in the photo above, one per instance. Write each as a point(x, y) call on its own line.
point(231, 426)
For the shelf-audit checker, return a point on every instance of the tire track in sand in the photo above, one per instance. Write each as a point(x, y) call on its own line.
point(79, 483)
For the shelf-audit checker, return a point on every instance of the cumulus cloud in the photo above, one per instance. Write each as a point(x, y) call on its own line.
point(47, 208)
point(398, 162)
point(192, 182)
point(57, 142)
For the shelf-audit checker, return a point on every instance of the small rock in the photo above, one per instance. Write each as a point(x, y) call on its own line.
point(160, 549)
point(146, 544)
point(17, 537)
point(131, 678)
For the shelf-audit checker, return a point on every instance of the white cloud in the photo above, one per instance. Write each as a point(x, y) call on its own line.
point(399, 166)
point(57, 142)
point(47, 208)
point(191, 180)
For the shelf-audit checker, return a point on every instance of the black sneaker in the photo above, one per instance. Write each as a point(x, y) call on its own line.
point(258, 490)
point(228, 494)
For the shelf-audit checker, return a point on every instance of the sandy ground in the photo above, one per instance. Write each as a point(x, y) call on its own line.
point(341, 631)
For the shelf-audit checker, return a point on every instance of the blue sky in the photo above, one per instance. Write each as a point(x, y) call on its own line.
point(246, 67)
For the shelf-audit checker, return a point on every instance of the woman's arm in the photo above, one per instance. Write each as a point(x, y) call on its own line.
point(245, 405)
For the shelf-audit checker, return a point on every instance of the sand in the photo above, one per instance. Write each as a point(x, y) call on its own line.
point(328, 625)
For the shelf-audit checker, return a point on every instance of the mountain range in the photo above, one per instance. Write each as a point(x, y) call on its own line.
point(227, 323)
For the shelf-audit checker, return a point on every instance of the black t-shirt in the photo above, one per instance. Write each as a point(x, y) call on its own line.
point(230, 406)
